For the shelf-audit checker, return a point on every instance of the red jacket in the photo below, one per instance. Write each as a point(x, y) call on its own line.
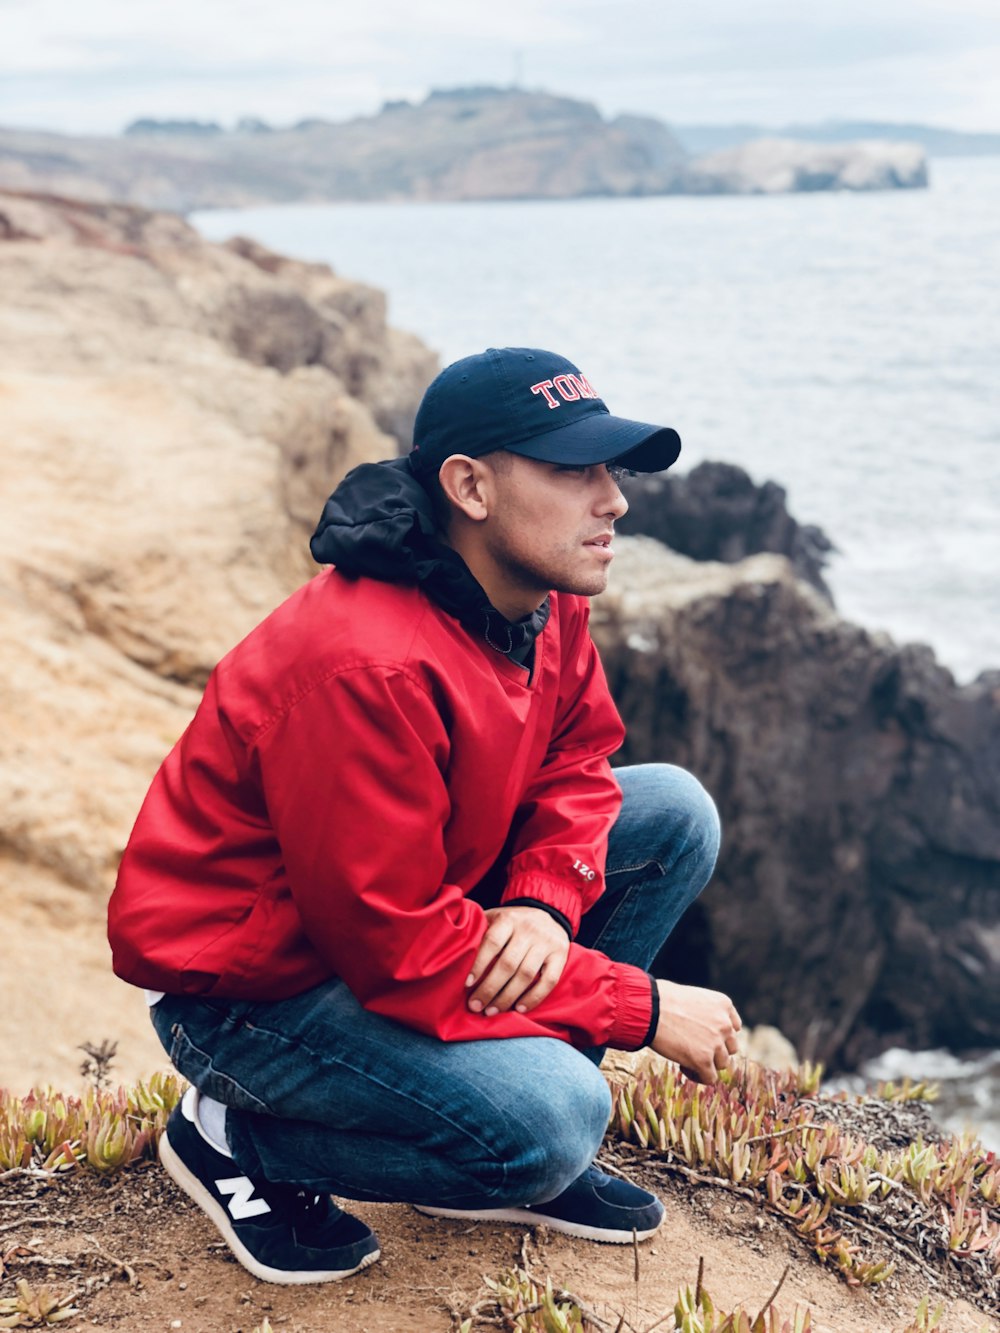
point(356, 766)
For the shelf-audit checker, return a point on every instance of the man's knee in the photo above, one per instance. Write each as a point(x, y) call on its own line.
point(680, 817)
point(555, 1136)
point(697, 817)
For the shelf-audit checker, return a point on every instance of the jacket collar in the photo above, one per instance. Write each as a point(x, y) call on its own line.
point(379, 522)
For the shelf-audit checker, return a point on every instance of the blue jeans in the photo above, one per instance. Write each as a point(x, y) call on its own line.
point(325, 1095)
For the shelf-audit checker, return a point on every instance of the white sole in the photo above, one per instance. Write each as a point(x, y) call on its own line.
point(196, 1191)
point(527, 1218)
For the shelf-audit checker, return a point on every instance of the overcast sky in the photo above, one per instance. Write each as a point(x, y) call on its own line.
point(94, 67)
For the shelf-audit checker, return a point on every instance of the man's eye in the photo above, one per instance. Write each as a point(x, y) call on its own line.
point(619, 474)
point(578, 468)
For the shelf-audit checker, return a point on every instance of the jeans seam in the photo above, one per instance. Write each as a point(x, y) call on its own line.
point(180, 1034)
point(631, 869)
point(361, 1073)
point(695, 846)
point(624, 898)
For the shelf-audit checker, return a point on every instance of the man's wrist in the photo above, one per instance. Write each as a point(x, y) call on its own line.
point(547, 908)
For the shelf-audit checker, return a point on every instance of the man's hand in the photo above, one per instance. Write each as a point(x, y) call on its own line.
point(520, 959)
point(697, 1028)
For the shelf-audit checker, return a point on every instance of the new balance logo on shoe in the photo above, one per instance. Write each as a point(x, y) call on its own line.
point(242, 1205)
point(280, 1233)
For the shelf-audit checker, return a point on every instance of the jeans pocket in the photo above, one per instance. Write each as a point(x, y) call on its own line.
point(198, 1064)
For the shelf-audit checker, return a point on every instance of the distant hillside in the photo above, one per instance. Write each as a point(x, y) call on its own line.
point(465, 143)
point(935, 141)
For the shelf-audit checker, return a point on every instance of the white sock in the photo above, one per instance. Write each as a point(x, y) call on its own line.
point(211, 1120)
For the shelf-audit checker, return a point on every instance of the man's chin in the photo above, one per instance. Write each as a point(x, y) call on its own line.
point(591, 586)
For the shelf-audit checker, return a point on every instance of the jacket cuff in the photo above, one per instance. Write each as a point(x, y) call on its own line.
point(654, 1021)
point(633, 1007)
point(565, 898)
point(547, 908)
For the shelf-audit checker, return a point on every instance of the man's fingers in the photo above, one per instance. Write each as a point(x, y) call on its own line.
point(533, 982)
point(690, 1073)
point(544, 985)
point(697, 1028)
point(493, 943)
point(506, 965)
point(504, 985)
point(519, 943)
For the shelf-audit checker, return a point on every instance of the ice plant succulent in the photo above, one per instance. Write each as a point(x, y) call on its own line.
point(101, 1130)
point(529, 1305)
point(775, 1134)
point(32, 1308)
point(907, 1091)
point(695, 1313)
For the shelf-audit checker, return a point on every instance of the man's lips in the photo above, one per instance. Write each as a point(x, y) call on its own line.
point(602, 542)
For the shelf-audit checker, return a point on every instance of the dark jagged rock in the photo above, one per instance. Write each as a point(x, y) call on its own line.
point(717, 512)
point(857, 901)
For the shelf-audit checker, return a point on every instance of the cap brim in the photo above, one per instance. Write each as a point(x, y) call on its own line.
point(602, 438)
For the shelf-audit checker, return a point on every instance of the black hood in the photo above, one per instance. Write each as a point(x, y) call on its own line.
point(380, 522)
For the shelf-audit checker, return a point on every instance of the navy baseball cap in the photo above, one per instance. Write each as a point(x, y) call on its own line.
point(534, 403)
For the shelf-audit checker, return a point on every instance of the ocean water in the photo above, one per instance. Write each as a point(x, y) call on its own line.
point(844, 345)
point(968, 1088)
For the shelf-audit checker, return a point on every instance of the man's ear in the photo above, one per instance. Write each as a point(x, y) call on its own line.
point(462, 480)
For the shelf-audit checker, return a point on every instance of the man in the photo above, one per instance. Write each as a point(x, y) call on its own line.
point(389, 898)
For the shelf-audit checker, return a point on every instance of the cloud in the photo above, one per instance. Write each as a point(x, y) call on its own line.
point(96, 67)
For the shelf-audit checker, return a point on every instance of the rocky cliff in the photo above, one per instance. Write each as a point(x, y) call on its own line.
point(935, 141)
point(465, 143)
point(777, 166)
point(170, 414)
point(462, 144)
point(857, 900)
point(716, 512)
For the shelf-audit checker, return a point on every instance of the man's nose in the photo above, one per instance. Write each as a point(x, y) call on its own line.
point(615, 502)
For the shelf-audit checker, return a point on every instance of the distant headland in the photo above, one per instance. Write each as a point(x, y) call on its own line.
point(457, 144)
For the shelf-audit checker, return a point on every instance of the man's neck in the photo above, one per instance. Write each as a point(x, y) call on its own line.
point(513, 601)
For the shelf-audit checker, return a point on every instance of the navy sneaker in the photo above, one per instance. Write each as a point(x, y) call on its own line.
point(595, 1207)
point(278, 1232)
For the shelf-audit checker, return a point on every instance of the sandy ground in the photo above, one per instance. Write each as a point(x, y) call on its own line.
point(139, 1255)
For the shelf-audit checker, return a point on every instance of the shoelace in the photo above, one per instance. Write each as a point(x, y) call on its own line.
point(312, 1208)
point(299, 1206)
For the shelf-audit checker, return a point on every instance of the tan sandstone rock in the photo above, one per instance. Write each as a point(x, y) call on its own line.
point(160, 469)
